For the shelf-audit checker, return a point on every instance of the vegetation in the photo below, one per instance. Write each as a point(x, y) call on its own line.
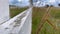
point(47, 28)
point(15, 11)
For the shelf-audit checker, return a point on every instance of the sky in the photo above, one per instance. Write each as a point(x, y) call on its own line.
point(26, 2)
point(20, 3)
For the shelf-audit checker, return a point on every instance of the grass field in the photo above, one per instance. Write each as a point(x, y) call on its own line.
point(16, 11)
point(47, 28)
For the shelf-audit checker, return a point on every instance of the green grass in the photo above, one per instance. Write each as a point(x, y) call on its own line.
point(55, 12)
point(47, 28)
point(16, 11)
point(36, 18)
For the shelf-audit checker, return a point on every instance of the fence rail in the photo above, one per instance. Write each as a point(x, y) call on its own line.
point(20, 24)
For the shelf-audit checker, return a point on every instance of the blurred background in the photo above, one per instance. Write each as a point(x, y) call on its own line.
point(19, 3)
point(38, 10)
point(39, 3)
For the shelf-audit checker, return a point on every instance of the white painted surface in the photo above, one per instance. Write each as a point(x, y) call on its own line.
point(20, 24)
point(4, 10)
point(26, 28)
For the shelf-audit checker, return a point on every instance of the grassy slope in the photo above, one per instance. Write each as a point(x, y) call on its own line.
point(15, 11)
point(37, 15)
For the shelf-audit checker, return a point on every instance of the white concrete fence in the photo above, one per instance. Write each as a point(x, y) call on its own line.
point(20, 24)
point(4, 11)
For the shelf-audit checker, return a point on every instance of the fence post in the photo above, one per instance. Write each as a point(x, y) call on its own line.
point(4, 10)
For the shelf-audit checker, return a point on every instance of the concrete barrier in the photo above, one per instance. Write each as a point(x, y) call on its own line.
point(20, 24)
point(4, 11)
